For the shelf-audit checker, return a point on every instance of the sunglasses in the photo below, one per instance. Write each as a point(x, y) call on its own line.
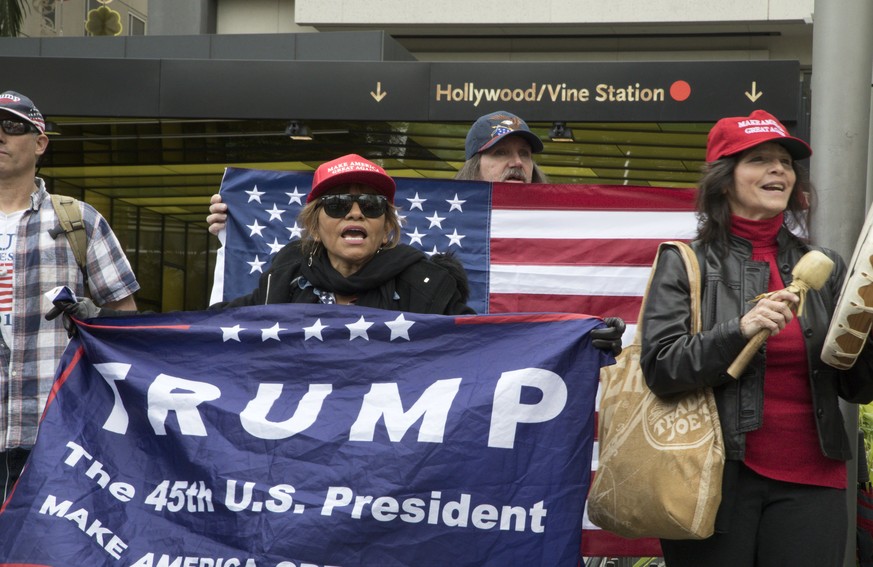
point(16, 128)
point(338, 206)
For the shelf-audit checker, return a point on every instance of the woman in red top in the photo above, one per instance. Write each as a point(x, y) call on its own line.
point(783, 494)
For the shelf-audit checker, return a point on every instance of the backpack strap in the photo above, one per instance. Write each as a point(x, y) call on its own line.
point(70, 218)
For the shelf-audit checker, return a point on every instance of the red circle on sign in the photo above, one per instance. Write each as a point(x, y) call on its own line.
point(680, 90)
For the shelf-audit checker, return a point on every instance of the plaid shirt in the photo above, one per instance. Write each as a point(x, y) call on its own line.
point(42, 263)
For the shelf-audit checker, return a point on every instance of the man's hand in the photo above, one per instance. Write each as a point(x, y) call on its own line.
point(217, 214)
point(81, 309)
point(609, 339)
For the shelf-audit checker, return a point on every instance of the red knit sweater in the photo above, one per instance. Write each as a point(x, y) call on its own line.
point(786, 447)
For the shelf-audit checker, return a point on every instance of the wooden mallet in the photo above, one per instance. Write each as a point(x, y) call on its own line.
point(811, 272)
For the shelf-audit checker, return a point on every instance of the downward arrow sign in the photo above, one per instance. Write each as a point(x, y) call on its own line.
point(379, 95)
point(754, 95)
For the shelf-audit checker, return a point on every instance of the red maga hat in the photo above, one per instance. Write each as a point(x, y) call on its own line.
point(351, 168)
point(737, 133)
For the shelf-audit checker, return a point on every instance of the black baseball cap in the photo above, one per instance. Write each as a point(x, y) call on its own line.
point(491, 128)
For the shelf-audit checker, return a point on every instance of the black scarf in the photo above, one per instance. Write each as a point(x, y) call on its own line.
point(383, 267)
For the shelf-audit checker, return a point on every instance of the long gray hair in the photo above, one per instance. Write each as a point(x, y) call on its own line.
point(471, 171)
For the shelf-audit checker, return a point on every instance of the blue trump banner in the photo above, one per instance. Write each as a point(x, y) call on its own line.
point(312, 435)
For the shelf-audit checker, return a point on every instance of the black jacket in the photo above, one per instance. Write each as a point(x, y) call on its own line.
point(674, 361)
point(436, 285)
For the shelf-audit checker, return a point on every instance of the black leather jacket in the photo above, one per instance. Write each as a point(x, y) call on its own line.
point(674, 361)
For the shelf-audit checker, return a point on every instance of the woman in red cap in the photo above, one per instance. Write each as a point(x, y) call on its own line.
point(784, 487)
point(350, 251)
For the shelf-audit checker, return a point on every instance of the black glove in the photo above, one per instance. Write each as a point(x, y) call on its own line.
point(82, 309)
point(609, 338)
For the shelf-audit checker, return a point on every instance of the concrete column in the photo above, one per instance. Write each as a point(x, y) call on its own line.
point(842, 69)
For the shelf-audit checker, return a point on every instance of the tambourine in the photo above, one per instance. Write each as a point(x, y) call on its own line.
point(853, 316)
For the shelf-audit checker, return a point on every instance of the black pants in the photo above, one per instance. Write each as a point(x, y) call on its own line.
point(772, 524)
point(11, 463)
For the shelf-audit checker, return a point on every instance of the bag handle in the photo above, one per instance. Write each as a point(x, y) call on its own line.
point(692, 268)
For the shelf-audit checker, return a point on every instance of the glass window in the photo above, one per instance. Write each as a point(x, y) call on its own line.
point(136, 25)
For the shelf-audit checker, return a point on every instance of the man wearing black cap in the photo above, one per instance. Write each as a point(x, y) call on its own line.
point(36, 257)
point(500, 147)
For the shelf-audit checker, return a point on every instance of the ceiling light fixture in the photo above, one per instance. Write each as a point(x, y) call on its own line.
point(560, 132)
point(51, 128)
point(297, 131)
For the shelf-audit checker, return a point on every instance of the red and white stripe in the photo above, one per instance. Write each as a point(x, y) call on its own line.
point(583, 249)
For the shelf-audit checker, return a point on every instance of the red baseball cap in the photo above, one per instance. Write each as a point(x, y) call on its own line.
point(737, 133)
point(351, 168)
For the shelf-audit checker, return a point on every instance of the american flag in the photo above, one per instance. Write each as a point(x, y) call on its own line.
point(526, 248)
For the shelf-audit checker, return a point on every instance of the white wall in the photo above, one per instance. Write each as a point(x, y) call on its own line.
point(257, 16)
point(556, 12)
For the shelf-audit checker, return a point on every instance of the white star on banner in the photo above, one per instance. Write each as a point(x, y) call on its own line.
point(296, 231)
point(295, 197)
point(455, 203)
point(231, 333)
point(415, 202)
point(275, 246)
point(276, 213)
point(435, 220)
point(455, 238)
point(416, 236)
point(399, 327)
point(255, 229)
point(256, 265)
point(359, 329)
point(432, 252)
point(255, 195)
point(271, 333)
point(314, 330)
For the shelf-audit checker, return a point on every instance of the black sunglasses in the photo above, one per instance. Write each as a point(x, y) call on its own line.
point(16, 127)
point(338, 206)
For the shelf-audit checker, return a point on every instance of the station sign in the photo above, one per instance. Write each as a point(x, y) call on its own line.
point(685, 91)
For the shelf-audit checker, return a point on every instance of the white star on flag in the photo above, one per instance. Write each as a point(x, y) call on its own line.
point(255, 195)
point(271, 333)
point(314, 330)
point(399, 327)
point(275, 246)
point(295, 197)
point(359, 329)
point(415, 202)
point(231, 333)
point(415, 236)
point(432, 252)
point(255, 229)
point(276, 212)
point(454, 238)
point(256, 265)
point(456, 203)
point(435, 220)
point(296, 231)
